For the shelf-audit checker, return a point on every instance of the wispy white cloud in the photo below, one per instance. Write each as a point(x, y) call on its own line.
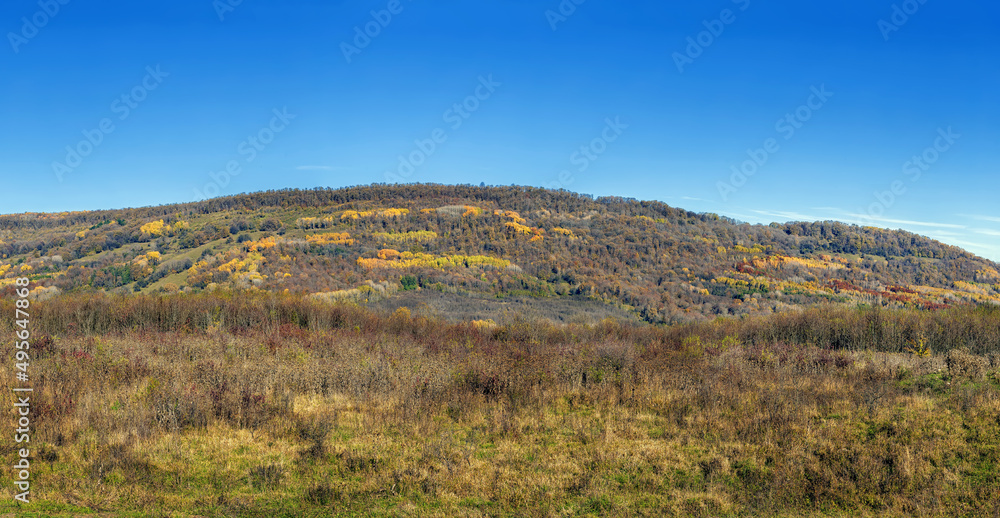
point(994, 219)
point(945, 233)
point(951, 233)
point(866, 217)
point(983, 248)
point(787, 215)
point(970, 245)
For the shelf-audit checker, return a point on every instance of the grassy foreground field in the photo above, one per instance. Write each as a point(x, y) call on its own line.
point(236, 405)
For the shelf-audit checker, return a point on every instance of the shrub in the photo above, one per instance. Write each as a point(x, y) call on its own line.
point(270, 224)
point(322, 494)
point(962, 365)
point(315, 433)
point(266, 476)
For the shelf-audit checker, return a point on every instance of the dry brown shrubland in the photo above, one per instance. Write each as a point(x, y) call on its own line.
point(238, 405)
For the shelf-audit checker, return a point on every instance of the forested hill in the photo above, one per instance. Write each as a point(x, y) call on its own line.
point(383, 242)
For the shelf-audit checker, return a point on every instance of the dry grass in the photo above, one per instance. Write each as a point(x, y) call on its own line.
point(396, 415)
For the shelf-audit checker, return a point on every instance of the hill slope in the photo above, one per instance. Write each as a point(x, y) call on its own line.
point(445, 244)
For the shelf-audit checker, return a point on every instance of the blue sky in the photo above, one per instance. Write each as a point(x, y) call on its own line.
point(880, 113)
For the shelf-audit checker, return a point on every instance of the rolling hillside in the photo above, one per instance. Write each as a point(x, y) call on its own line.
point(461, 247)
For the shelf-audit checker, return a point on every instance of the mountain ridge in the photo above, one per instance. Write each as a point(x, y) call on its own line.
point(369, 243)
